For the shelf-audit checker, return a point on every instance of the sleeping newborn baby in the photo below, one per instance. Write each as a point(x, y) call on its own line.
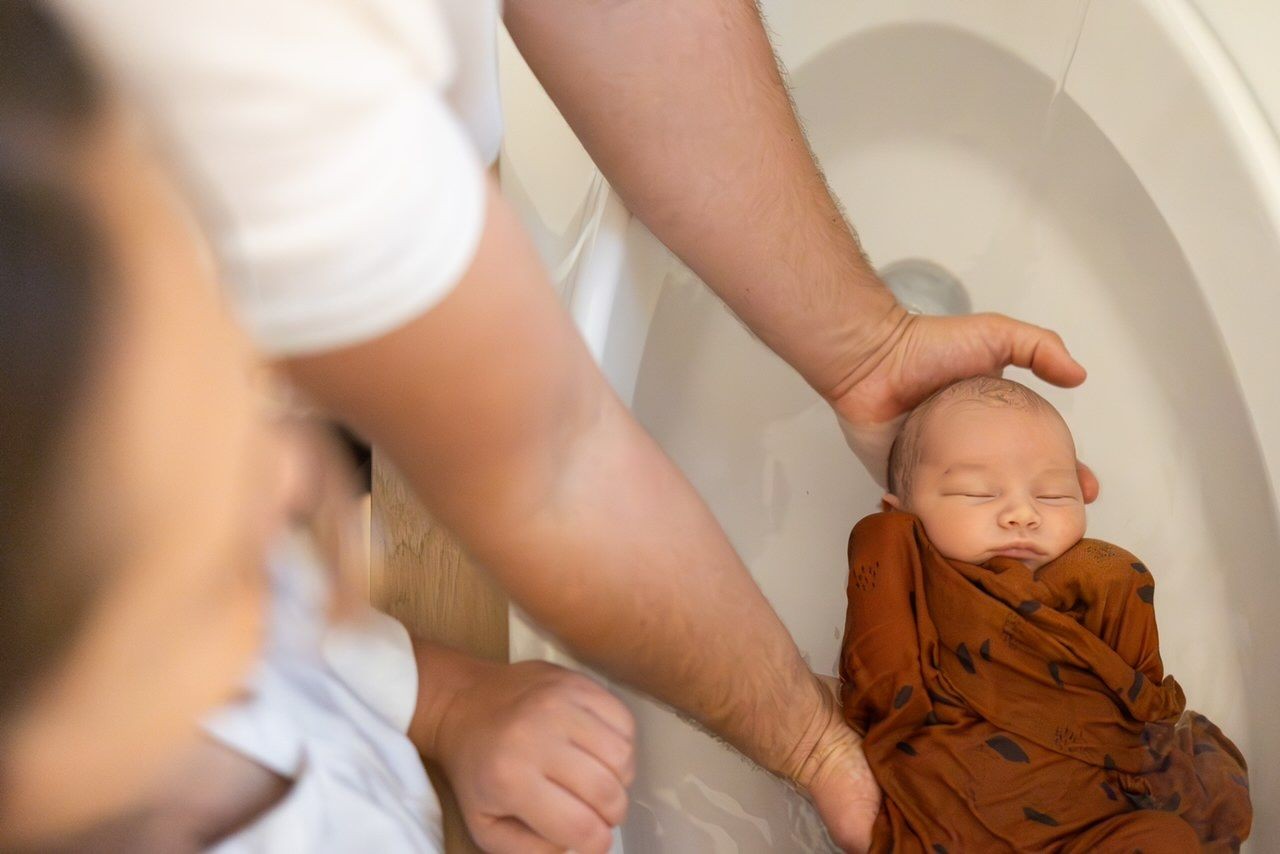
point(1005, 670)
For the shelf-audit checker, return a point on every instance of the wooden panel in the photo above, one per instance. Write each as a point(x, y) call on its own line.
point(420, 576)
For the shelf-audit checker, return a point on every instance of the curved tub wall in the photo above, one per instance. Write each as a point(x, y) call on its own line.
point(936, 134)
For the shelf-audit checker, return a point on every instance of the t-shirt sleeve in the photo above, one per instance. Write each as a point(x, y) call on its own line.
point(342, 196)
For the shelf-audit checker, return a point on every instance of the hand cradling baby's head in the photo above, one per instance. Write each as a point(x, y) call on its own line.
point(989, 467)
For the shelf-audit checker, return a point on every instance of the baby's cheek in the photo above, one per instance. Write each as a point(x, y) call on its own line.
point(1078, 523)
point(953, 533)
point(1070, 527)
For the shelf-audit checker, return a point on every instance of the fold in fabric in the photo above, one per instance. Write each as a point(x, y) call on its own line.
point(1007, 709)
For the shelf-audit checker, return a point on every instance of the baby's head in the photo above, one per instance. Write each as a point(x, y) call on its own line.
point(989, 467)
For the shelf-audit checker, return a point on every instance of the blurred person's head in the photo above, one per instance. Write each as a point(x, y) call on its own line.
point(139, 482)
point(989, 467)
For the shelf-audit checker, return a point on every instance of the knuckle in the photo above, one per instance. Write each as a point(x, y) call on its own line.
point(585, 828)
point(604, 791)
point(514, 738)
point(598, 841)
point(622, 756)
point(548, 702)
point(628, 723)
point(502, 780)
point(615, 806)
point(581, 684)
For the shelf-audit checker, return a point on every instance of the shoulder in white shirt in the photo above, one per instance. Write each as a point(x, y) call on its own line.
point(322, 145)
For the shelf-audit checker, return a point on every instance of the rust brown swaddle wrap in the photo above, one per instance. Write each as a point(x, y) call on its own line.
point(1012, 710)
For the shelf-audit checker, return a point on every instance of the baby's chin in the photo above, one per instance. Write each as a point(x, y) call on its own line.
point(1032, 563)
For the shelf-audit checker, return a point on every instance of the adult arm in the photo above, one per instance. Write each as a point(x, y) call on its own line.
point(493, 409)
point(683, 107)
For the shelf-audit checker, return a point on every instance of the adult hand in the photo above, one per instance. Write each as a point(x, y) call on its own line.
point(838, 780)
point(539, 757)
point(921, 353)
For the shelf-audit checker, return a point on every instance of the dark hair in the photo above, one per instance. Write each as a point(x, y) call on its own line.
point(50, 269)
point(904, 455)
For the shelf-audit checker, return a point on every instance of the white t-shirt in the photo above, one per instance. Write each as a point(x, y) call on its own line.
point(334, 148)
point(327, 708)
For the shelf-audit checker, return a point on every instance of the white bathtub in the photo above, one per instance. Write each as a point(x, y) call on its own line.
point(1140, 217)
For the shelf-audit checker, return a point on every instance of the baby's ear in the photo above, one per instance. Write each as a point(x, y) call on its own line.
point(890, 502)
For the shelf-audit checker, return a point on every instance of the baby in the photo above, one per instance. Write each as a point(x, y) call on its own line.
point(999, 478)
point(1005, 670)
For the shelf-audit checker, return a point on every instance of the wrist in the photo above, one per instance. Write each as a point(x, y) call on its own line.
point(820, 711)
point(866, 346)
point(445, 678)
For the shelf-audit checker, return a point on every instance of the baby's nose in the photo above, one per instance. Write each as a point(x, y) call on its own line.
point(1021, 515)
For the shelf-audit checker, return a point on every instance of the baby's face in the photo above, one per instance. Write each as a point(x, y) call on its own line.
point(996, 480)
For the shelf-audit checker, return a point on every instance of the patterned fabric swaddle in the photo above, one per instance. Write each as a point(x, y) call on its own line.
point(1006, 709)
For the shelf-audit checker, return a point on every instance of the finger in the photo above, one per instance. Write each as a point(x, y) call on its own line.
point(506, 835)
point(608, 708)
point(591, 781)
point(592, 735)
point(1089, 485)
point(1039, 349)
point(560, 817)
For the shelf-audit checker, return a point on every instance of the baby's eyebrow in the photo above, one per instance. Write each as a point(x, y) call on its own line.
point(963, 467)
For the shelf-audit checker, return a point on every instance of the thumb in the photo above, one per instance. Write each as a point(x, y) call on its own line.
point(844, 791)
point(1039, 349)
point(847, 799)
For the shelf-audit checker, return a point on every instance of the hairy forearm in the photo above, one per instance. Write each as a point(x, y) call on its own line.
point(603, 542)
point(681, 104)
point(635, 575)
point(492, 408)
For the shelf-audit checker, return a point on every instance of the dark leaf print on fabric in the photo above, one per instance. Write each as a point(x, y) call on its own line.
point(1008, 748)
point(1139, 801)
point(966, 660)
point(1035, 815)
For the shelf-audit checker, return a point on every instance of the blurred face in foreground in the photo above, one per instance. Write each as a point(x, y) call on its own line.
point(164, 491)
